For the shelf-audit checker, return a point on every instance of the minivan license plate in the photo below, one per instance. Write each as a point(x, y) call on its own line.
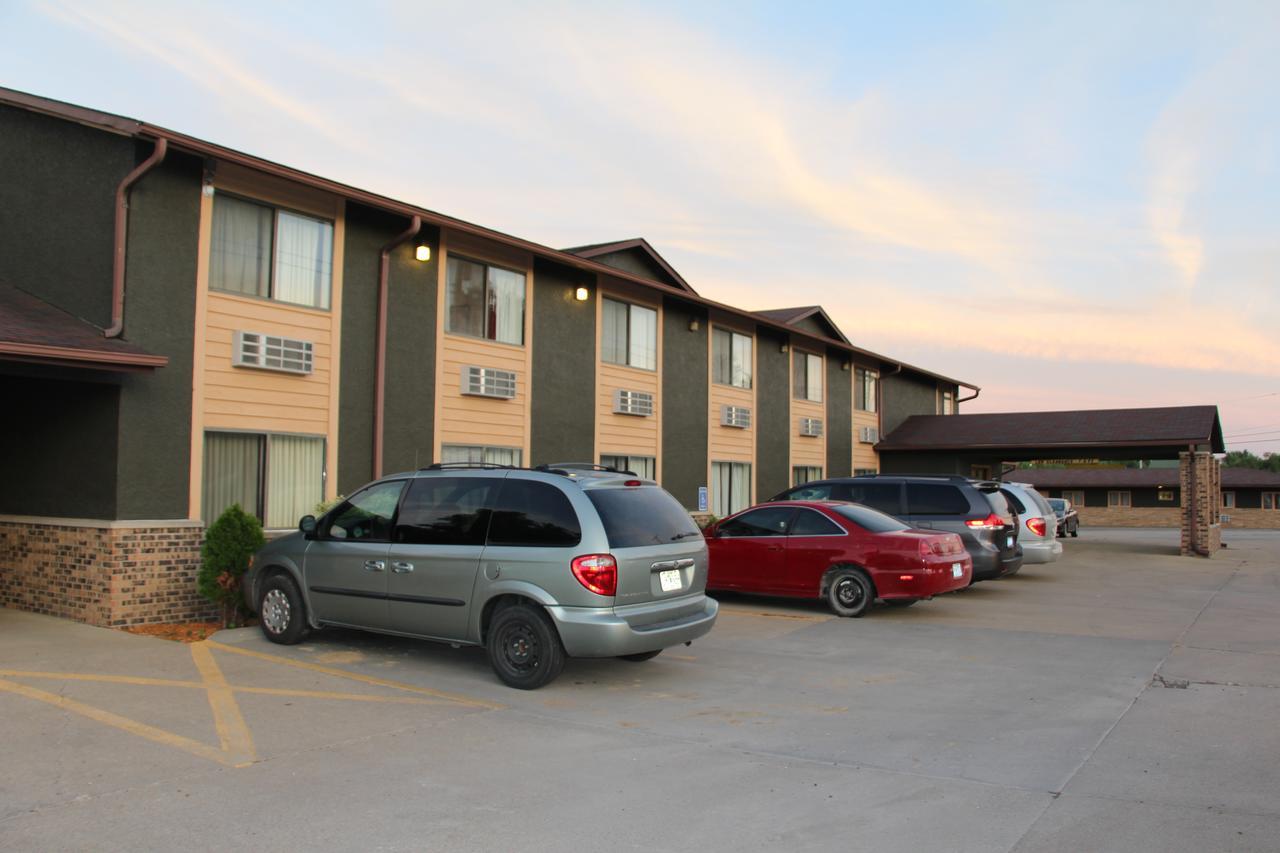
point(670, 580)
point(1008, 543)
point(956, 570)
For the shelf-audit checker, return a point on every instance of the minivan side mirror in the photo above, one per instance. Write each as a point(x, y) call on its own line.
point(308, 526)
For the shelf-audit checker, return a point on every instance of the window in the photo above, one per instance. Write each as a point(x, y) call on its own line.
point(807, 492)
point(946, 403)
point(980, 472)
point(801, 474)
point(260, 250)
point(1228, 500)
point(731, 358)
point(865, 472)
point(629, 334)
point(1018, 506)
point(767, 521)
point(871, 519)
point(864, 389)
point(366, 515)
point(1076, 498)
point(646, 516)
point(475, 453)
point(1119, 499)
point(886, 497)
point(935, 499)
point(641, 466)
point(484, 301)
point(446, 511)
point(810, 523)
point(1271, 500)
point(806, 376)
point(1164, 495)
point(533, 515)
point(278, 478)
point(730, 487)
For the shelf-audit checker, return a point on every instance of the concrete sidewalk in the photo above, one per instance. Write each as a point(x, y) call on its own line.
point(1121, 699)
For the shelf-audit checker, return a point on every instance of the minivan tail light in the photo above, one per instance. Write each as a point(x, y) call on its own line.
point(1036, 526)
point(991, 522)
point(633, 483)
point(597, 572)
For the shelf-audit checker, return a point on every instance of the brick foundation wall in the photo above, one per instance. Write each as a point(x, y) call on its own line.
point(1256, 519)
point(1103, 516)
point(107, 573)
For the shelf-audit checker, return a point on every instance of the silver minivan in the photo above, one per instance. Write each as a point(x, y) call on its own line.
point(534, 565)
point(1039, 536)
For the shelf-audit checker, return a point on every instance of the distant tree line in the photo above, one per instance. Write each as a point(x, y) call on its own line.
point(1245, 459)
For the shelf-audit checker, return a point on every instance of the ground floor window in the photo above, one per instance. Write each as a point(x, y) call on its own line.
point(1228, 500)
point(730, 487)
point(1076, 498)
point(278, 478)
point(980, 472)
point(642, 466)
point(865, 472)
point(801, 474)
point(479, 453)
point(1119, 499)
point(1165, 495)
point(1271, 500)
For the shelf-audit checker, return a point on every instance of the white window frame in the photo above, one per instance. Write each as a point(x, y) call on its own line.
point(731, 503)
point(867, 380)
point(946, 402)
point(628, 346)
point(264, 469)
point(807, 392)
point(487, 265)
point(809, 473)
point(746, 371)
point(648, 469)
point(326, 296)
point(1120, 499)
point(1228, 500)
point(1272, 498)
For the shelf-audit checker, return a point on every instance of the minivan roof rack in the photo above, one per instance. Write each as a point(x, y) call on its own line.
point(444, 466)
point(558, 467)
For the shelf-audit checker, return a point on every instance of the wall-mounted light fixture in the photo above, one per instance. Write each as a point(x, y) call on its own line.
point(693, 325)
point(423, 252)
point(783, 348)
point(846, 366)
point(582, 294)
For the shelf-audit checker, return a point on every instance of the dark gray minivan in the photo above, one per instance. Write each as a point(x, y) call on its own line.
point(535, 565)
point(975, 509)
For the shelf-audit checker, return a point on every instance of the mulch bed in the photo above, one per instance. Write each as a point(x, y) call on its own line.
point(182, 632)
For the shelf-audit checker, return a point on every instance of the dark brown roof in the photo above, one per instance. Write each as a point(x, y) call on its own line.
point(1101, 478)
point(32, 330)
point(792, 316)
point(639, 244)
point(1176, 426)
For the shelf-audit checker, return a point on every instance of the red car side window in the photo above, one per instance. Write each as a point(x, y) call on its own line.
point(810, 523)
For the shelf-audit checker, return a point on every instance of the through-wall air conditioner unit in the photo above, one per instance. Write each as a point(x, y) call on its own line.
point(811, 427)
point(488, 382)
point(271, 352)
point(868, 435)
point(738, 417)
point(632, 403)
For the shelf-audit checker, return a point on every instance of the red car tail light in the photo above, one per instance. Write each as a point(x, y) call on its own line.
point(1036, 526)
point(597, 572)
point(991, 522)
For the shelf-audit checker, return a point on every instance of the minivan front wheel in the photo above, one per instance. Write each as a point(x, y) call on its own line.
point(850, 593)
point(280, 610)
point(524, 648)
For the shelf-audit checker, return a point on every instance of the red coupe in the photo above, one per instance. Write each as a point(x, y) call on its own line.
point(847, 553)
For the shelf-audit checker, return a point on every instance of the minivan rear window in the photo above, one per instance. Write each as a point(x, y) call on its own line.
point(642, 515)
point(999, 505)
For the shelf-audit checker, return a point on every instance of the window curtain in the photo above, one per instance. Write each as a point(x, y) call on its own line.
point(870, 392)
point(740, 487)
point(304, 260)
point(720, 489)
point(722, 356)
point(473, 454)
point(644, 338)
point(240, 251)
point(643, 466)
point(231, 473)
point(813, 370)
point(502, 455)
point(802, 474)
point(464, 298)
point(295, 479)
point(741, 361)
point(613, 332)
point(506, 306)
point(798, 375)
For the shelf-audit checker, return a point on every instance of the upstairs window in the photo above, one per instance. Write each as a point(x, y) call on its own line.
point(801, 474)
point(484, 301)
point(271, 253)
point(806, 376)
point(731, 358)
point(864, 389)
point(628, 334)
point(946, 403)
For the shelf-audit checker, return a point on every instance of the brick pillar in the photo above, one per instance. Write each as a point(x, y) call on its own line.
point(1201, 505)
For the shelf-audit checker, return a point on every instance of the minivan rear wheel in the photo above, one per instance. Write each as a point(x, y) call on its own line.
point(850, 593)
point(524, 648)
point(641, 657)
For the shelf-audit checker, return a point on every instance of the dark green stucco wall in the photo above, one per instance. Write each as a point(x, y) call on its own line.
point(562, 416)
point(159, 315)
point(903, 395)
point(773, 418)
point(58, 447)
point(839, 425)
point(408, 423)
point(59, 181)
point(636, 262)
point(684, 398)
point(933, 462)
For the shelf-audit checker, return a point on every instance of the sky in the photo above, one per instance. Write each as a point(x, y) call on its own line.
point(1071, 205)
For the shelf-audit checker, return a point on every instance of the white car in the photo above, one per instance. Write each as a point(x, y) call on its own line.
point(1039, 534)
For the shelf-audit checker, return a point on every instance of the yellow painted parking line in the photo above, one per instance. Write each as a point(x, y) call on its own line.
point(354, 676)
point(123, 723)
point(227, 719)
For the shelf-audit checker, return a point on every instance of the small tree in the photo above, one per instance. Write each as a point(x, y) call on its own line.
point(224, 558)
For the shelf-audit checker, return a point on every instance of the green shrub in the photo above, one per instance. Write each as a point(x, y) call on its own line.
point(325, 506)
point(224, 558)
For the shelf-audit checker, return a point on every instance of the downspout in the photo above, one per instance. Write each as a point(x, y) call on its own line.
point(959, 400)
point(122, 229)
point(380, 362)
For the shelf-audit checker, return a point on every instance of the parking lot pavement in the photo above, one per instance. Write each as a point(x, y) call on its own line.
point(1121, 699)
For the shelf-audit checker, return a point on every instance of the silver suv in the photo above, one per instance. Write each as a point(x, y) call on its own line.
point(534, 565)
